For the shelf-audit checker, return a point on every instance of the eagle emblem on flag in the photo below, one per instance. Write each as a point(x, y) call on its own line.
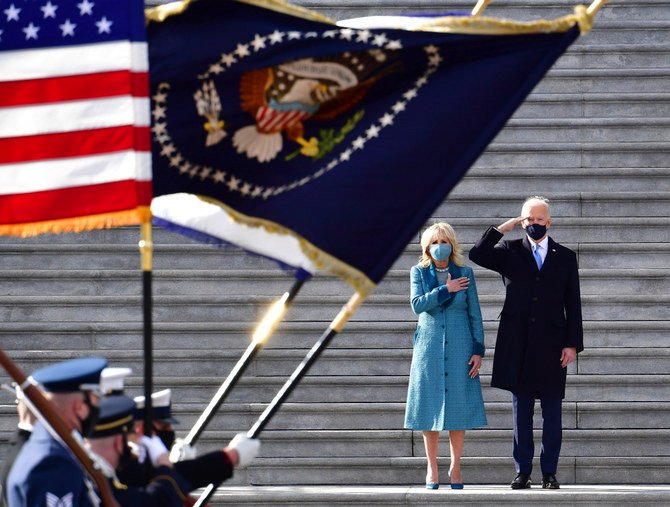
point(282, 98)
point(270, 115)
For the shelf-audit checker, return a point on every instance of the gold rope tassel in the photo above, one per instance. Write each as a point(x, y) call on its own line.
point(584, 19)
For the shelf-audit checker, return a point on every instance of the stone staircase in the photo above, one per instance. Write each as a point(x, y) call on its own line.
point(594, 137)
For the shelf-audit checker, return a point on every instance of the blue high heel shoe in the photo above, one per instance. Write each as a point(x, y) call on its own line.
point(455, 485)
point(432, 485)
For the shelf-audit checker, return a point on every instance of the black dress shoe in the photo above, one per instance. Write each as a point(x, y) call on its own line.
point(549, 482)
point(521, 481)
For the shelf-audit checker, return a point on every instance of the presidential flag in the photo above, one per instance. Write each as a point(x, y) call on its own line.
point(326, 146)
point(74, 116)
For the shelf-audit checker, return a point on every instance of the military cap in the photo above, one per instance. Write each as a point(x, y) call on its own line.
point(112, 380)
point(71, 376)
point(116, 416)
point(161, 406)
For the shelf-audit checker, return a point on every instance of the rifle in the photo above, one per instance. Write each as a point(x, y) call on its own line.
point(48, 411)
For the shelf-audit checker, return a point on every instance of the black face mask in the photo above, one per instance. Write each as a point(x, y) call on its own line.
point(167, 436)
point(536, 231)
point(126, 457)
point(89, 423)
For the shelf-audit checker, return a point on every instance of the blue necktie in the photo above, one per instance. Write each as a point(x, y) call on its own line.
point(538, 257)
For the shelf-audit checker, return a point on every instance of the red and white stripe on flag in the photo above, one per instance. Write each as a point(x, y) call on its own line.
point(74, 137)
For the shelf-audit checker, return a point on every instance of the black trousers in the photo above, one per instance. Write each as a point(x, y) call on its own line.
point(523, 405)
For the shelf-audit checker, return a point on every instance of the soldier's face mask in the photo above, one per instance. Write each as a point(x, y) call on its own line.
point(167, 436)
point(89, 422)
point(126, 454)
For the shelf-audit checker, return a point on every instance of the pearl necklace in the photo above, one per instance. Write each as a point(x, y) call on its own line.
point(441, 270)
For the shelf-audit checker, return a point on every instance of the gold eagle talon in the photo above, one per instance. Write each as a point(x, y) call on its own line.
point(309, 148)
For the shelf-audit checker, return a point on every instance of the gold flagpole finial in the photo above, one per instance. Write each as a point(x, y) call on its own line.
point(479, 8)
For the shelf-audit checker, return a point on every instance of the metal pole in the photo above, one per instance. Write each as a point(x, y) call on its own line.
point(146, 252)
point(265, 328)
point(335, 327)
point(479, 8)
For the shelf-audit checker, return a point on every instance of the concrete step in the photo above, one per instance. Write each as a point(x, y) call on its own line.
point(591, 255)
point(399, 495)
point(393, 389)
point(632, 79)
point(615, 56)
point(513, 9)
point(594, 105)
point(341, 361)
point(568, 230)
point(172, 252)
point(292, 444)
point(390, 416)
point(590, 155)
point(579, 179)
point(274, 283)
point(592, 282)
point(633, 416)
point(26, 257)
point(584, 130)
point(171, 248)
point(189, 308)
point(412, 470)
point(102, 337)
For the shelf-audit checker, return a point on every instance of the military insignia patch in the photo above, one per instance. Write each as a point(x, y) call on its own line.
point(54, 501)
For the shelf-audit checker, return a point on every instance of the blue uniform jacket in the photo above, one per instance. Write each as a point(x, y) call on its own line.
point(45, 473)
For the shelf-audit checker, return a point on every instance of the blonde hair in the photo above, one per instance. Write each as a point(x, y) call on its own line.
point(440, 230)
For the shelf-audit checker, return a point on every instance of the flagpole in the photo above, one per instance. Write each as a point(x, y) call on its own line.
point(146, 253)
point(595, 6)
point(335, 327)
point(479, 8)
point(265, 328)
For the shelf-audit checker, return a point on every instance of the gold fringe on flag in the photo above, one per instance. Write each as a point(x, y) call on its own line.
point(475, 24)
point(136, 216)
point(321, 260)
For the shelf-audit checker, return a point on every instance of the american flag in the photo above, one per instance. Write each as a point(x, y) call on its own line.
point(74, 115)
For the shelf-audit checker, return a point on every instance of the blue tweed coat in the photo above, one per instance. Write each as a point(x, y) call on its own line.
point(441, 395)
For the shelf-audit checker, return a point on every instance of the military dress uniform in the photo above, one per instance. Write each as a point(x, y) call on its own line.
point(14, 446)
point(45, 472)
point(211, 468)
point(163, 487)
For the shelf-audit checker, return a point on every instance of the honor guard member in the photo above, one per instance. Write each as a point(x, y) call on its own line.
point(161, 416)
point(16, 441)
point(45, 472)
point(109, 442)
point(210, 468)
point(112, 380)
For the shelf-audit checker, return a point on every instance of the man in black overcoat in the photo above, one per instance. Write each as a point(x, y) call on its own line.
point(540, 331)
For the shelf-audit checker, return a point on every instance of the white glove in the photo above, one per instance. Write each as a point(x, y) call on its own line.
point(139, 451)
point(154, 446)
point(247, 448)
point(182, 451)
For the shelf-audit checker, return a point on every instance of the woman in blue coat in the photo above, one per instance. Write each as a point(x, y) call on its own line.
point(444, 390)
